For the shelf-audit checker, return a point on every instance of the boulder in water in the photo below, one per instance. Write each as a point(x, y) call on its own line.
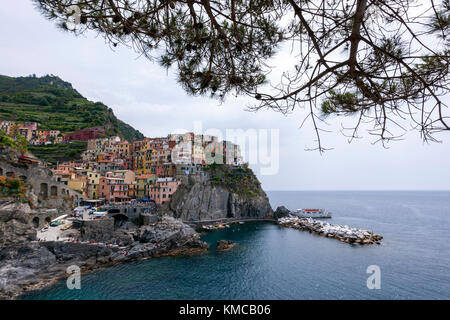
point(225, 245)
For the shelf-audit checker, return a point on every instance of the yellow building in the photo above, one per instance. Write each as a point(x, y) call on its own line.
point(124, 149)
point(143, 184)
point(77, 185)
point(93, 179)
point(143, 159)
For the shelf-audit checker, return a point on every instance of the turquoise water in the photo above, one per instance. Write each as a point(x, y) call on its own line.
point(279, 263)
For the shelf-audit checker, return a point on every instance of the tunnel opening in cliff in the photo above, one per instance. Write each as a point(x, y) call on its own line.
point(119, 220)
point(35, 222)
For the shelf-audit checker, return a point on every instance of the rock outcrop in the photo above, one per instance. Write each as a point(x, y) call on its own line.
point(29, 265)
point(15, 222)
point(202, 200)
point(281, 212)
point(36, 264)
point(97, 230)
point(225, 245)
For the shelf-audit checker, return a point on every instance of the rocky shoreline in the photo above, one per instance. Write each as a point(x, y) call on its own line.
point(27, 264)
point(325, 229)
point(33, 265)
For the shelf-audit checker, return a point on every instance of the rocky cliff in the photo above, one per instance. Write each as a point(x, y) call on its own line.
point(221, 193)
point(15, 222)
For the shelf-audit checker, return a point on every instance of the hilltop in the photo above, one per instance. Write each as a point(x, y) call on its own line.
point(56, 105)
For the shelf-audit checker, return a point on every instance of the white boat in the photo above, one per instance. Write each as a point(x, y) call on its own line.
point(98, 214)
point(311, 213)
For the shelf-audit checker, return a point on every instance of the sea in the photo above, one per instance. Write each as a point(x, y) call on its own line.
point(273, 262)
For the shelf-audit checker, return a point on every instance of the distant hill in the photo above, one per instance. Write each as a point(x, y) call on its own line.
point(55, 104)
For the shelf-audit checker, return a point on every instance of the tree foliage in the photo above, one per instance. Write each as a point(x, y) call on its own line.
point(384, 61)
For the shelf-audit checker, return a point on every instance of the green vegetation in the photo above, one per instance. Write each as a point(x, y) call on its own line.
point(241, 181)
point(53, 153)
point(11, 187)
point(57, 106)
point(340, 103)
point(18, 142)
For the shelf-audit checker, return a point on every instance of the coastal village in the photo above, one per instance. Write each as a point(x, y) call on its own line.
point(127, 200)
point(115, 170)
point(141, 174)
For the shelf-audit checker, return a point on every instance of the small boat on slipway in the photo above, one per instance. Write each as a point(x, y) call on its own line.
point(311, 213)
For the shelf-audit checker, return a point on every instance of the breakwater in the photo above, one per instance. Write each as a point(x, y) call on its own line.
point(325, 229)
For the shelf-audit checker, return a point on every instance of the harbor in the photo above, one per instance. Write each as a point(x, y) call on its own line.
point(325, 229)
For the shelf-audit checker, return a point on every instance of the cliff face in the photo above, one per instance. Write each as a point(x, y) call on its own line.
point(15, 223)
point(202, 199)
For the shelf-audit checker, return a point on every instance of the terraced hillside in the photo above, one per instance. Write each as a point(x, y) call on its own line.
point(56, 105)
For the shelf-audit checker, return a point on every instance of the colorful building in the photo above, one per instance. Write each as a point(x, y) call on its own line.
point(113, 189)
point(143, 184)
point(163, 189)
point(128, 176)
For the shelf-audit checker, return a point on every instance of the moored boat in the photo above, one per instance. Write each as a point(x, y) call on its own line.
point(208, 228)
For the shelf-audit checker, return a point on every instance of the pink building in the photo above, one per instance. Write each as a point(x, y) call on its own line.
point(113, 189)
point(104, 190)
point(64, 168)
point(30, 125)
point(163, 189)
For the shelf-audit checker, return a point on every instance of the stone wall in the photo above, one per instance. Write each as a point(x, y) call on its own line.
point(97, 230)
point(131, 211)
point(43, 185)
point(148, 219)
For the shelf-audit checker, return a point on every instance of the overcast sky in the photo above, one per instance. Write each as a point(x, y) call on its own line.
point(145, 96)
